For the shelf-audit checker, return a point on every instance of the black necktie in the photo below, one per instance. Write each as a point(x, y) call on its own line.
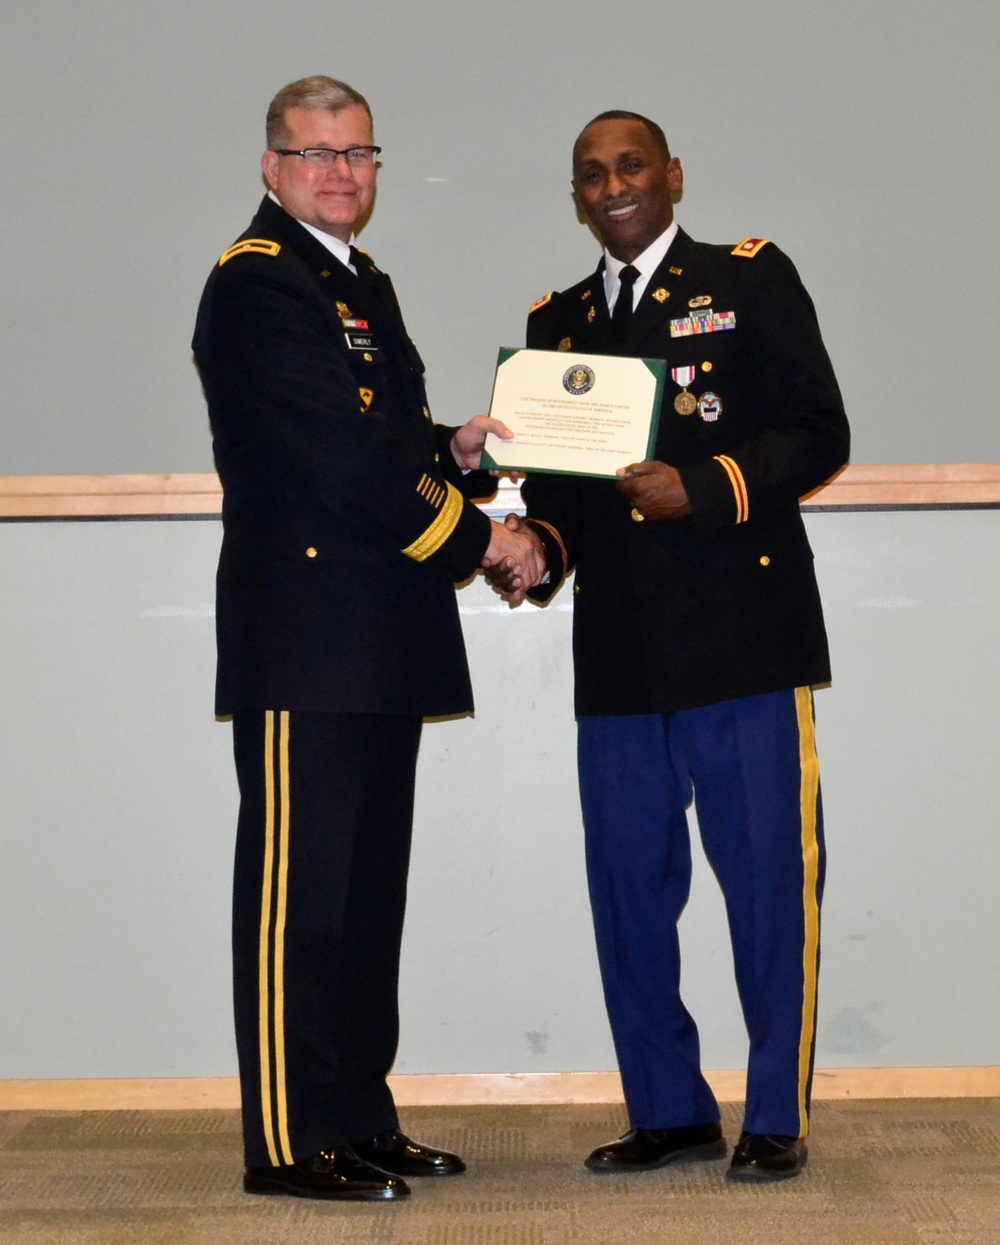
point(622, 313)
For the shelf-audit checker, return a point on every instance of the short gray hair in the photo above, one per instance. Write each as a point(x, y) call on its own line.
point(317, 92)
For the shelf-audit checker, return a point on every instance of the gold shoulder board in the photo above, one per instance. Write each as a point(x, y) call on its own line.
point(541, 302)
point(252, 246)
point(749, 247)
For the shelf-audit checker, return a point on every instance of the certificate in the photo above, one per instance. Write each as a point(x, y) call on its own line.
point(578, 414)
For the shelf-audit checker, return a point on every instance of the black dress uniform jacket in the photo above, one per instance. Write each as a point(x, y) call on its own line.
point(344, 514)
point(721, 604)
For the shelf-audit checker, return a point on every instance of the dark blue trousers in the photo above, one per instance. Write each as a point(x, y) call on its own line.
point(751, 768)
point(322, 849)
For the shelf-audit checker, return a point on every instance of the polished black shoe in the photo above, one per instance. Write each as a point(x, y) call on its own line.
point(642, 1149)
point(393, 1151)
point(334, 1175)
point(767, 1156)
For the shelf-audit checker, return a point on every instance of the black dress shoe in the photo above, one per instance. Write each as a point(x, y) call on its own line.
point(393, 1151)
point(767, 1156)
point(644, 1148)
point(333, 1175)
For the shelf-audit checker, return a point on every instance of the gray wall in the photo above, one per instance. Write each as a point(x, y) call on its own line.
point(859, 136)
point(118, 813)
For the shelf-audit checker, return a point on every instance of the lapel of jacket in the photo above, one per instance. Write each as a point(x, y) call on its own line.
point(665, 297)
point(587, 318)
point(341, 292)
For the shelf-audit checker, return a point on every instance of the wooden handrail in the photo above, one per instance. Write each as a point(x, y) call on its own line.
point(892, 486)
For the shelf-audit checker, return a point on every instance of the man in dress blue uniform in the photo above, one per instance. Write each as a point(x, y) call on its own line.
point(698, 636)
point(346, 525)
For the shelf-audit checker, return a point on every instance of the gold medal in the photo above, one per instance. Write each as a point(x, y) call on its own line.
point(685, 403)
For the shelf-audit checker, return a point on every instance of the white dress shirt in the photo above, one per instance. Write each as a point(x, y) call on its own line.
point(339, 250)
point(647, 263)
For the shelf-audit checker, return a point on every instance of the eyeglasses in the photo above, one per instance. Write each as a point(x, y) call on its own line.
point(326, 157)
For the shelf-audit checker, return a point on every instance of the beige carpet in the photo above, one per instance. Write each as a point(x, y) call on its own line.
point(909, 1172)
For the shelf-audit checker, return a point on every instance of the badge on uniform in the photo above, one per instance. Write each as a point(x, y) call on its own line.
point(702, 320)
point(360, 341)
point(710, 407)
point(685, 403)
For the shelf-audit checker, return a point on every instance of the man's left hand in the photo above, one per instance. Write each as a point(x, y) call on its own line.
point(467, 443)
point(654, 489)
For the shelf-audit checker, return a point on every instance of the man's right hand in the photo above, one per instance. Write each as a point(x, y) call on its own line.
point(515, 559)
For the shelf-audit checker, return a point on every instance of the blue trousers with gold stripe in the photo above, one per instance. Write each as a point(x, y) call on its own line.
point(322, 850)
point(750, 766)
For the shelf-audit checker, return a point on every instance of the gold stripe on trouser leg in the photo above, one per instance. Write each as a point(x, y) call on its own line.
point(279, 941)
point(263, 954)
point(273, 1095)
point(808, 804)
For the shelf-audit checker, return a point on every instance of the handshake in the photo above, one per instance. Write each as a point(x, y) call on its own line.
point(515, 560)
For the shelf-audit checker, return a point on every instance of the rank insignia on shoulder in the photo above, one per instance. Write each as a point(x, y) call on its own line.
point(250, 246)
point(366, 399)
point(565, 344)
point(541, 303)
point(661, 295)
point(368, 256)
point(749, 247)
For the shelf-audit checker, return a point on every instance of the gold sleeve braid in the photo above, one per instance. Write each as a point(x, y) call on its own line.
point(739, 486)
point(431, 491)
point(445, 522)
point(556, 537)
